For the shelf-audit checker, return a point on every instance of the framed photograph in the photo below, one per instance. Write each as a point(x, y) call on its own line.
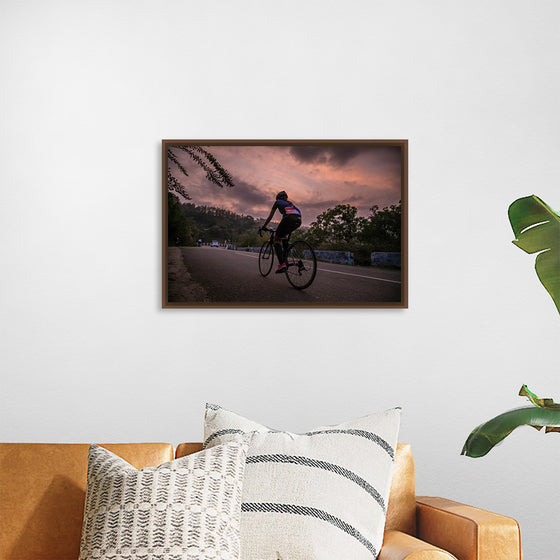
point(285, 223)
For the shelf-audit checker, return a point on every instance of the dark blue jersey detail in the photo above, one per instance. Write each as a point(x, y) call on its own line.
point(286, 208)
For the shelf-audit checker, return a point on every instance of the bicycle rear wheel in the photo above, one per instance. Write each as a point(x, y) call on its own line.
point(302, 265)
point(266, 258)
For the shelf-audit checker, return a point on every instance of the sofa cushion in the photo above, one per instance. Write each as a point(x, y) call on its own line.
point(401, 509)
point(322, 494)
point(42, 492)
point(186, 509)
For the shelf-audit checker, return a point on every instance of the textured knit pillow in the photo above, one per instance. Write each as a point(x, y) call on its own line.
point(187, 509)
point(321, 495)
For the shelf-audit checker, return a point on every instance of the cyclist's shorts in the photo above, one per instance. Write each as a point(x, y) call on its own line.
point(289, 223)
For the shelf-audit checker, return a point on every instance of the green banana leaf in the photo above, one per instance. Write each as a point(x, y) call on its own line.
point(544, 413)
point(536, 227)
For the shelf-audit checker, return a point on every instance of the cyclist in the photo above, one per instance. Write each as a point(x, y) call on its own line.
point(291, 220)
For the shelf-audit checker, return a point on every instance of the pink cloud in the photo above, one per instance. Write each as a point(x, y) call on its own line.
point(316, 179)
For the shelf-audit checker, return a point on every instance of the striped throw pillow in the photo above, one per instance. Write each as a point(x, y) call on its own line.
point(187, 509)
point(316, 496)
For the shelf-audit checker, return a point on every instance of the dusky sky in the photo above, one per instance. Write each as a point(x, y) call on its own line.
point(316, 178)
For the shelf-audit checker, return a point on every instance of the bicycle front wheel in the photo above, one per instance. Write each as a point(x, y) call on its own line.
point(302, 265)
point(266, 258)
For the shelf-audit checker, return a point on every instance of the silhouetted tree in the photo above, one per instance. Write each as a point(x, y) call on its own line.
point(181, 230)
point(215, 173)
point(336, 226)
point(382, 228)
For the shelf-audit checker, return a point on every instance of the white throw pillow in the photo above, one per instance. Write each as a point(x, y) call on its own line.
point(321, 495)
point(185, 509)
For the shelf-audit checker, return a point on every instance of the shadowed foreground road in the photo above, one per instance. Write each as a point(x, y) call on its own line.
point(233, 277)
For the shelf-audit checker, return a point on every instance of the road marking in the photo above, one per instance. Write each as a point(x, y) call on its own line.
point(360, 276)
point(255, 255)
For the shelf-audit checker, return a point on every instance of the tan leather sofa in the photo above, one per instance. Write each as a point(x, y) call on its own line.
point(42, 492)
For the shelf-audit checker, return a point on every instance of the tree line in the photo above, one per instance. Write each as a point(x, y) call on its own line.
point(187, 223)
point(339, 228)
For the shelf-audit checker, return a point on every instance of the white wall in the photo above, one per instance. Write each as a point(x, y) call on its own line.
point(87, 354)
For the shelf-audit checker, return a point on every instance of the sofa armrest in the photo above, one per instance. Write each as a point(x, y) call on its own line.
point(467, 532)
point(401, 546)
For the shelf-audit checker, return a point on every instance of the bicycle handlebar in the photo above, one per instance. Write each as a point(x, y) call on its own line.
point(266, 229)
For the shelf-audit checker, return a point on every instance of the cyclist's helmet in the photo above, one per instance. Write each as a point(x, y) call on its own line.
point(283, 195)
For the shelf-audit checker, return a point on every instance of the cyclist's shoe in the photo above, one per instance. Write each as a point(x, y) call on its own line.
point(281, 268)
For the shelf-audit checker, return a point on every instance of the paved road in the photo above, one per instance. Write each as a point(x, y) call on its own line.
point(233, 277)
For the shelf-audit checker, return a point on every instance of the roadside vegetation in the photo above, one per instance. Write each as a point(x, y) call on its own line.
point(341, 229)
point(187, 223)
point(336, 229)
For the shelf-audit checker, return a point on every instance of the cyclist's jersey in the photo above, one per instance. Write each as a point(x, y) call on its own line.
point(286, 208)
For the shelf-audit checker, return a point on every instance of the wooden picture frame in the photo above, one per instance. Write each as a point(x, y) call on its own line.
point(353, 237)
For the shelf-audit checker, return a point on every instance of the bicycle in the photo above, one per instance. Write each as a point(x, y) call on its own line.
point(301, 262)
